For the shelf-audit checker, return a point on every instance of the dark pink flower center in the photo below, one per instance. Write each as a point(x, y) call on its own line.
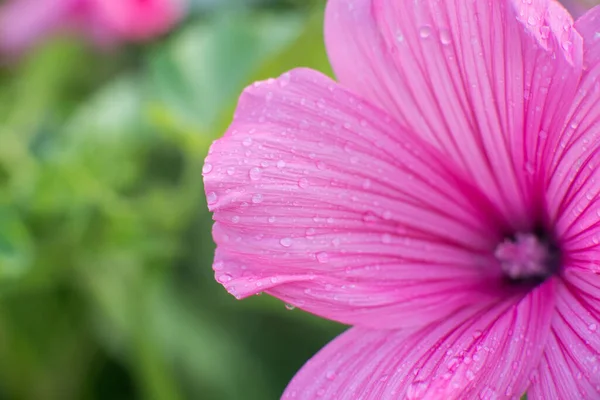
point(528, 257)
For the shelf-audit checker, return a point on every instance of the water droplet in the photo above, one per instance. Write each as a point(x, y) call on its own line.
point(257, 198)
point(303, 183)
point(255, 173)
point(592, 327)
point(323, 257)
point(289, 306)
point(286, 242)
point(207, 168)
point(212, 198)
point(224, 278)
point(416, 390)
point(445, 37)
point(235, 219)
point(488, 394)
point(217, 266)
point(566, 45)
point(531, 20)
point(271, 219)
point(280, 164)
point(330, 375)
point(285, 79)
point(230, 171)
point(247, 142)
point(425, 32)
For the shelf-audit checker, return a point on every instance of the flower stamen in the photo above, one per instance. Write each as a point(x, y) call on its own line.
point(527, 256)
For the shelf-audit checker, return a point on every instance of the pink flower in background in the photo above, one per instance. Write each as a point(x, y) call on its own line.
point(23, 23)
point(443, 198)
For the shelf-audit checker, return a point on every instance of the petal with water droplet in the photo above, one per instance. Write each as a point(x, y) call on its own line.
point(570, 367)
point(445, 360)
point(398, 234)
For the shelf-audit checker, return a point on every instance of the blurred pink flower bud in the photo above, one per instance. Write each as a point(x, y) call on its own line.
point(24, 23)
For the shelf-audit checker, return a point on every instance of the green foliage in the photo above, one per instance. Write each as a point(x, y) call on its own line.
point(106, 289)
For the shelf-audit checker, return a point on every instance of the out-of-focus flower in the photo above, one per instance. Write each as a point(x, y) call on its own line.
point(443, 198)
point(579, 7)
point(23, 23)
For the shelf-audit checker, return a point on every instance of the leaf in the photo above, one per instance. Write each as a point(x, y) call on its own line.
point(16, 248)
point(201, 71)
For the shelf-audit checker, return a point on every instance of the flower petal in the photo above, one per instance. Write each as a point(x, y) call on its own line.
point(486, 82)
point(573, 193)
point(319, 201)
point(486, 355)
point(570, 367)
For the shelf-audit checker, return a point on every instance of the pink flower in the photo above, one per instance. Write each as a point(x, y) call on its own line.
point(23, 23)
point(442, 198)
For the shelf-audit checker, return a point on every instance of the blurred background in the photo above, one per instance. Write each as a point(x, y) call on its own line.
point(106, 114)
point(106, 286)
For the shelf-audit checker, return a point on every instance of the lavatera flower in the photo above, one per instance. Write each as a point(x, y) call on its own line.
point(442, 198)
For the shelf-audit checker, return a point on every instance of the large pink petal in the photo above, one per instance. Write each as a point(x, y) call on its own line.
point(486, 82)
point(573, 188)
point(320, 200)
point(570, 367)
point(486, 355)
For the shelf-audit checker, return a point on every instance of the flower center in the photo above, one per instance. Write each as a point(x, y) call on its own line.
point(528, 257)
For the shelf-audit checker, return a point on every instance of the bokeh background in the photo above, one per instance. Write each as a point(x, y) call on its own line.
point(106, 286)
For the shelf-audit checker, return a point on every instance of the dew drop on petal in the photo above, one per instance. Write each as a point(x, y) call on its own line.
point(257, 198)
point(224, 278)
point(323, 257)
point(286, 242)
point(212, 198)
point(247, 142)
point(445, 37)
point(207, 168)
point(303, 183)
point(425, 32)
point(289, 306)
point(255, 173)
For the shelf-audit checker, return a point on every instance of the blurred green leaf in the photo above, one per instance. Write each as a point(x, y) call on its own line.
point(104, 220)
point(15, 244)
point(201, 72)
